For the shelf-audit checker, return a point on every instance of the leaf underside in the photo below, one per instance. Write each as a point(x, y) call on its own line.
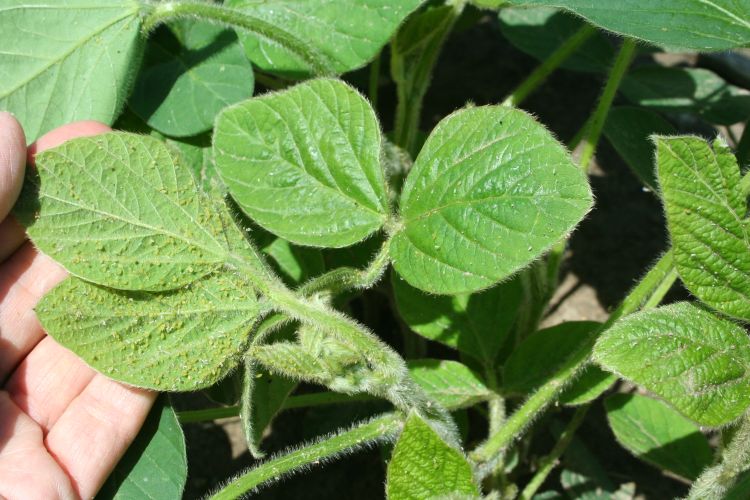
point(66, 61)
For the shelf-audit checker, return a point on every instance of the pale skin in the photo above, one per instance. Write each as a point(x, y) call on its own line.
point(63, 426)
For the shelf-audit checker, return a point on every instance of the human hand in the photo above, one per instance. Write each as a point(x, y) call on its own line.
point(63, 427)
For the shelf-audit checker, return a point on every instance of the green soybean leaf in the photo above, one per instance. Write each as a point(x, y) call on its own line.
point(155, 465)
point(184, 85)
point(199, 157)
point(121, 210)
point(697, 362)
point(658, 435)
point(543, 353)
point(679, 24)
point(305, 163)
point(67, 61)
point(540, 31)
point(475, 324)
point(692, 90)
point(425, 466)
point(450, 383)
point(706, 218)
point(629, 129)
point(171, 341)
point(349, 34)
point(490, 192)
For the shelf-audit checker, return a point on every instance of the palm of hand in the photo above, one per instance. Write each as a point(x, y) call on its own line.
point(63, 427)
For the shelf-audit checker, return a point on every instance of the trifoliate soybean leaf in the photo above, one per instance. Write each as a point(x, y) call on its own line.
point(476, 324)
point(629, 129)
point(155, 465)
point(347, 34)
point(490, 192)
point(697, 362)
point(540, 31)
point(706, 219)
point(414, 52)
point(305, 163)
point(543, 353)
point(67, 61)
point(658, 435)
point(450, 383)
point(425, 466)
point(182, 88)
point(123, 211)
point(169, 341)
point(680, 24)
point(692, 90)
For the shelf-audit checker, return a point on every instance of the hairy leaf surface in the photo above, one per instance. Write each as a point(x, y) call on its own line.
point(349, 34)
point(540, 31)
point(155, 465)
point(450, 383)
point(681, 24)
point(691, 90)
point(658, 435)
point(706, 218)
point(629, 129)
point(121, 210)
point(305, 163)
point(697, 362)
point(66, 61)
point(490, 191)
point(169, 341)
point(475, 324)
point(425, 466)
point(185, 84)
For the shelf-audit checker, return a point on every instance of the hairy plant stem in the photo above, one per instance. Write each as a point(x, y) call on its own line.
point(715, 482)
point(550, 461)
point(550, 64)
point(292, 402)
point(162, 12)
point(410, 93)
point(346, 278)
point(589, 134)
point(743, 147)
point(379, 429)
point(374, 83)
point(596, 122)
point(650, 290)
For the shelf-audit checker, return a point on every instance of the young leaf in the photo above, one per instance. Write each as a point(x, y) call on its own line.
point(629, 129)
point(477, 205)
point(706, 218)
point(679, 24)
point(183, 86)
point(539, 31)
point(450, 383)
point(475, 324)
point(424, 466)
point(67, 61)
point(697, 362)
point(349, 34)
point(155, 465)
point(170, 341)
point(692, 90)
point(305, 163)
point(542, 354)
point(121, 210)
point(658, 435)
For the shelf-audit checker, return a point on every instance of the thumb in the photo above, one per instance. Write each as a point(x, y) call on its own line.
point(12, 161)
